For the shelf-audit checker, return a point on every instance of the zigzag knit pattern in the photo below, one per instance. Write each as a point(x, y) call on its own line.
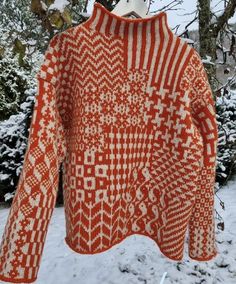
point(126, 107)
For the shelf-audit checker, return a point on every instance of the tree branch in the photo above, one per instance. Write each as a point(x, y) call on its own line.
point(228, 13)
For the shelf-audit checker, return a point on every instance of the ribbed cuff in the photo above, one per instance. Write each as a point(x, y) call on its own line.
point(205, 258)
point(11, 280)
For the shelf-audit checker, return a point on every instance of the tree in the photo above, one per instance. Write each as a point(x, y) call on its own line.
point(210, 26)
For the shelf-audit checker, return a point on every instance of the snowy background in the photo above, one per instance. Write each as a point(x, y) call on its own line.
point(137, 259)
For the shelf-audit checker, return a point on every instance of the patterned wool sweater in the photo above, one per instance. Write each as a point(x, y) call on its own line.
point(126, 107)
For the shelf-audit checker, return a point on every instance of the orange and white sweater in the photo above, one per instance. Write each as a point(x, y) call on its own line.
point(125, 105)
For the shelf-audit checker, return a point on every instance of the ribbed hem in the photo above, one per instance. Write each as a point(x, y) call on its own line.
point(204, 258)
point(11, 280)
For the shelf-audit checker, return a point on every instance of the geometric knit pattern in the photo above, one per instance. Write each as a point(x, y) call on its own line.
point(126, 107)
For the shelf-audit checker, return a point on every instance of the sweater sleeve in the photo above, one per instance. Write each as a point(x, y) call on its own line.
point(202, 243)
point(25, 231)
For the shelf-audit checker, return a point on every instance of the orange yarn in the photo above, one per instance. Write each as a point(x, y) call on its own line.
point(126, 106)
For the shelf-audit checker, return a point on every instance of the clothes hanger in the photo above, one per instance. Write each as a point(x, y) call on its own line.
point(131, 8)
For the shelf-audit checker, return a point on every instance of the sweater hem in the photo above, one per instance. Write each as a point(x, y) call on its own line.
point(204, 258)
point(117, 242)
point(11, 280)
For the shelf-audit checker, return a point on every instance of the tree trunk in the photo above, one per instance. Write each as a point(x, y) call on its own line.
point(208, 33)
point(207, 37)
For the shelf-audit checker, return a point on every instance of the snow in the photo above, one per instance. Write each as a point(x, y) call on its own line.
point(137, 259)
point(188, 40)
point(59, 5)
point(84, 14)
point(208, 60)
point(9, 195)
point(44, 6)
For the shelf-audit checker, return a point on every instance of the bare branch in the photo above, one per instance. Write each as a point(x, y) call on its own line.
point(228, 13)
point(170, 6)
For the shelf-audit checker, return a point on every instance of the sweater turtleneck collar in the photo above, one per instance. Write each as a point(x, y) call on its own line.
point(107, 22)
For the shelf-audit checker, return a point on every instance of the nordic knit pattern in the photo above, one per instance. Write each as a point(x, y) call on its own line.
point(125, 105)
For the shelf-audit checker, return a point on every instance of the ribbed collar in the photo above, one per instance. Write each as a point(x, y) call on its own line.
point(107, 22)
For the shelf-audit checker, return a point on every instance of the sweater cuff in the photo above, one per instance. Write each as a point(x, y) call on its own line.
point(12, 280)
point(205, 258)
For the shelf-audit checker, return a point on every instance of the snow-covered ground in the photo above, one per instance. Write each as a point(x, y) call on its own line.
point(137, 259)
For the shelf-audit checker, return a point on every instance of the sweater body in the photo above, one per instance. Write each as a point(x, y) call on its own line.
point(134, 153)
point(126, 107)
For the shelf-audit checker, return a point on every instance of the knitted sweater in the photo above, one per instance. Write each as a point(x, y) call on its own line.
point(126, 107)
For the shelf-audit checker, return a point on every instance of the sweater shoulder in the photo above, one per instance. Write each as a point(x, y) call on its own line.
point(72, 32)
point(193, 55)
point(194, 65)
point(193, 68)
